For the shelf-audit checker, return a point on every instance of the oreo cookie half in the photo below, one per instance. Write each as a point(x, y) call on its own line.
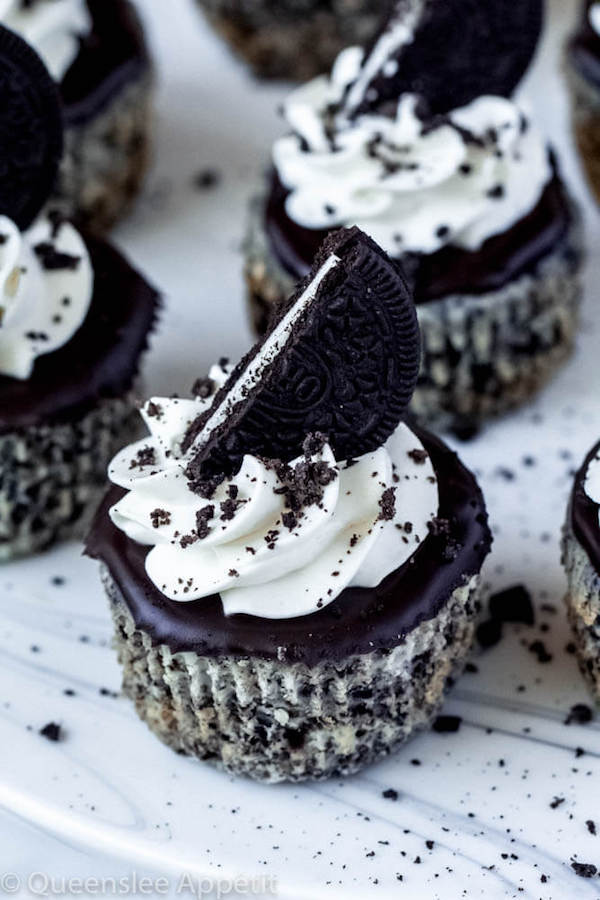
point(449, 52)
point(31, 131)
point(341, 358)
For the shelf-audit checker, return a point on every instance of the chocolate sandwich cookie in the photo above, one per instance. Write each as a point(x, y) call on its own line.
point(453, 180)
point(292, 569)
point(581, 558)
point(74, 321)
point(583, 70)
point(96, 53)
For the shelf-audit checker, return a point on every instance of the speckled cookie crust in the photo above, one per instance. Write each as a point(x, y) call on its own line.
point(53, 475)
point(585, 113)
point(290, 39)
point(106, 158)
point(481, 354)
point(277, 721)
point(583, 607)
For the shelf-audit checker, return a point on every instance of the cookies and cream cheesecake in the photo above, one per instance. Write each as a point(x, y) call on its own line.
point(292, 568)
point(96, 52)
point(74, 321)
point(450, 176)
point(581, 558)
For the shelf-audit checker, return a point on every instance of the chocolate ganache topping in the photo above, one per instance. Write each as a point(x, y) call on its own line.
point(252, 517)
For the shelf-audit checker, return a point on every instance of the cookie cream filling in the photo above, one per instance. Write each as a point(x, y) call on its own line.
point(270, 349)
point(274, 541)
point(52, 27)
point(592, 481)
point(413, 185)
point(46, 286)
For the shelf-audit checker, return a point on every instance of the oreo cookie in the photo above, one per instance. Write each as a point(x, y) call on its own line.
point(31, 130)
point(448, 52)
point(341, 358)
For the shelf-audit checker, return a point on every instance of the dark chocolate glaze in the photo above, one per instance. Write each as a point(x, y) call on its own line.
point(111, 56)
point(450, 270)
point(584, 48)
point(360, 620)
point(102, 357)
point(584, 514)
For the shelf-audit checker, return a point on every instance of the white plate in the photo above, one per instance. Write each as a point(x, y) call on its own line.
point(113, 790)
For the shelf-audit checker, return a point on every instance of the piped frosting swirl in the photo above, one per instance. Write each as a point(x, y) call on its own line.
point(414, 184)
point(46, 286)
point(274, 540)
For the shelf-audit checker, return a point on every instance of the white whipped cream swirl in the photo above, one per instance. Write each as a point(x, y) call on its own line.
point(46, 286)
point(261, 561)
point(52, 27)
point(412, 187)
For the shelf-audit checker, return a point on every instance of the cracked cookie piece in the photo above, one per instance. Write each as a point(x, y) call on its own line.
point(452, 178)
point(293, 595)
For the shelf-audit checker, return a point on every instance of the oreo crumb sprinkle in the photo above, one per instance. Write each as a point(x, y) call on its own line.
point(497, 192)
point(229, 508)
point(513, 605)
point(584, 870)
point(154, 410)
point(387, 505)
point(52, 732)
point(203, 517)
point(389, 794)
point(204, 388)
point(447, 724)
point(207, 178)
point(160, 517)
point(538, 648)
point(53, 260)
point(580, 714)
point(303, 484)
point(144, 457)
point(207, 487)
point(418, 456)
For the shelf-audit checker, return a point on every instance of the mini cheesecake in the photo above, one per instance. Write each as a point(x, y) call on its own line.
point(452, 179)
point(292, 568)
point(583, 70)
point(75, 318)
point(96, 52)
point(291, 40)
point(581, 558)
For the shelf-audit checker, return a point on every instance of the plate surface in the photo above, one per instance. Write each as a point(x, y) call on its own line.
point(487, 811)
